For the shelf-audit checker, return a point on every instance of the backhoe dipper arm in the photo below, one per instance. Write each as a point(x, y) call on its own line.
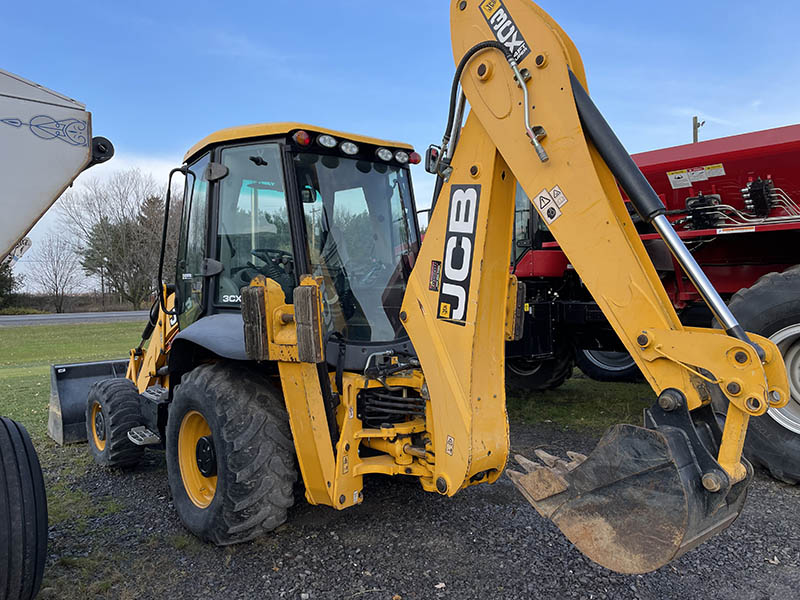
point(645, 495)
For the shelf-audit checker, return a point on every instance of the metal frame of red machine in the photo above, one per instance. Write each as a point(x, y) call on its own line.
point(733, 254)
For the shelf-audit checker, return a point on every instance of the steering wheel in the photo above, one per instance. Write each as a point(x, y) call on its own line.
point(271, 254)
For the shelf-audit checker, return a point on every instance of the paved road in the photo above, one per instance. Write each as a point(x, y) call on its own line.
point(85, 317)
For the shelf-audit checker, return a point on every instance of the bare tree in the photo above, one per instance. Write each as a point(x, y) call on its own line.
point(116, 199)
point(56, 269)
point(117, 223)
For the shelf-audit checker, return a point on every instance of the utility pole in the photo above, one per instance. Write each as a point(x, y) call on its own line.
point(696, 125)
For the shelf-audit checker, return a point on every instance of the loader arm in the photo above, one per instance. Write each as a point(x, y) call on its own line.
point(547, 135)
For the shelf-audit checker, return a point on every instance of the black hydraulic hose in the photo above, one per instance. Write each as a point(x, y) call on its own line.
point(451, 115)
point(152, 319)
point(457, 79)
point(638, 189)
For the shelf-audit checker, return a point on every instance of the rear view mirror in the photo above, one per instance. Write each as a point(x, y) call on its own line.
point(307, 196)
point(432, 155)
point(215, 171)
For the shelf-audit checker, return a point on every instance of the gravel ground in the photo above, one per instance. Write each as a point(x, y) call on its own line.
point(401, 543)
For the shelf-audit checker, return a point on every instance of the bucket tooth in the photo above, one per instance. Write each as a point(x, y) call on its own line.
point(576, 457)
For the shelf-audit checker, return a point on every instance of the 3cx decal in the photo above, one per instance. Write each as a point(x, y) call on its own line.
point(504, 28)
point(459, 244)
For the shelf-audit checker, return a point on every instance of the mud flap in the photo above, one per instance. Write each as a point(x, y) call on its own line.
point(69, 389)
point(638, 500)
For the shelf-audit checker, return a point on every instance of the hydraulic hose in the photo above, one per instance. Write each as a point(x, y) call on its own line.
point(451, 113)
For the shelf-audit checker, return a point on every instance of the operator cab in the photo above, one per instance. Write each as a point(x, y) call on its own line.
point(283, 200)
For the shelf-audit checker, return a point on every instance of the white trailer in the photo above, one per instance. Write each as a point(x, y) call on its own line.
point(45, 143)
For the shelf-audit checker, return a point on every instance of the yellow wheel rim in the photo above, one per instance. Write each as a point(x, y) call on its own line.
point(199, 488)
point(99, 437)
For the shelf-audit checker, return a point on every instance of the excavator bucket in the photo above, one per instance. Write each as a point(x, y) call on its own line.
point(643, 497)
point(69, 389)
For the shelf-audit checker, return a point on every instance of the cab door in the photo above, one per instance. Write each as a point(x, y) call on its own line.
point(189, 278)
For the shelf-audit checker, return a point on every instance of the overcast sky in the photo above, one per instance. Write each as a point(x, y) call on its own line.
point(160, 76)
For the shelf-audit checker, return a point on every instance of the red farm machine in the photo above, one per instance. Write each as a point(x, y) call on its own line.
point(735, 202)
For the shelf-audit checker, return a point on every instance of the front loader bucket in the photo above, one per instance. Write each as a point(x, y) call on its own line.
point(637, 501)
point(69, 388)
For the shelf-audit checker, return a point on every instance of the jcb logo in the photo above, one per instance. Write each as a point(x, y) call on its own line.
point(504, 28)
point(458, 250)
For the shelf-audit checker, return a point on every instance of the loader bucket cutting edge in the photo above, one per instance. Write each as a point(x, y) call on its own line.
point(635, 503)
point(69, 389)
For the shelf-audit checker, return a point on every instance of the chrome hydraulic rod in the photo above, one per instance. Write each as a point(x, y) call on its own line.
point(695, 273)
point(650, 208)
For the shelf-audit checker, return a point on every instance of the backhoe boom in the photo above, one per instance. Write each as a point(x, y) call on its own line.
point(531, 121)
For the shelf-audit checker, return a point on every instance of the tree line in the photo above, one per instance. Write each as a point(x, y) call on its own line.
point(110, 233)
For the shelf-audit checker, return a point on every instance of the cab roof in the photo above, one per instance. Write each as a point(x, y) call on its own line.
point(245, 132)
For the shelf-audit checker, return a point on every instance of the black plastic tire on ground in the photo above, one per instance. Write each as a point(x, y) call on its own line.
point(113, 409)
point(23, 514)
point(524, 375)
point(230, 455)
point(601, 365)
point(771, 307)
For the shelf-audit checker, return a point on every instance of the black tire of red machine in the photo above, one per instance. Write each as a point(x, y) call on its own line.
point(525, 375)
point(771, 308)
point(607, 366)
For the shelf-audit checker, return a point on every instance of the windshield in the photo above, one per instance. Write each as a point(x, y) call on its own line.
point(362, 242)
point(253, 235)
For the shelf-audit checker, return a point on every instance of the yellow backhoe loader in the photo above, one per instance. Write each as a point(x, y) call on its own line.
point(308, 327)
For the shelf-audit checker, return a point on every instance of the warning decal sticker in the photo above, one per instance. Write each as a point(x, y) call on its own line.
point(684, 178)
point(549, 203)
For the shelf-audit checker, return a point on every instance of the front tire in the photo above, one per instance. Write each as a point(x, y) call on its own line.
point(23, 514)
point(230, 455)
point(112, 410)
point(602, 365)
point(771, 308)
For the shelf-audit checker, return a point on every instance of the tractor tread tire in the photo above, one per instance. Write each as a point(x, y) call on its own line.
point(120, 402)
point(23, 514)
point(769, 305)
point(552, 373)
point(256, 469)
point(596, 372)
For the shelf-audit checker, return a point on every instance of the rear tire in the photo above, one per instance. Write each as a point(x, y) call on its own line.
point(771, 307)
point(23, 514)
point(230, 455)
point(526, 375)
point(113, 409)
point(601, 365)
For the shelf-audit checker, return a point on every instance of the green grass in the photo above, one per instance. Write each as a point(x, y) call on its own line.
point(26, 354)
point(583, 404)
